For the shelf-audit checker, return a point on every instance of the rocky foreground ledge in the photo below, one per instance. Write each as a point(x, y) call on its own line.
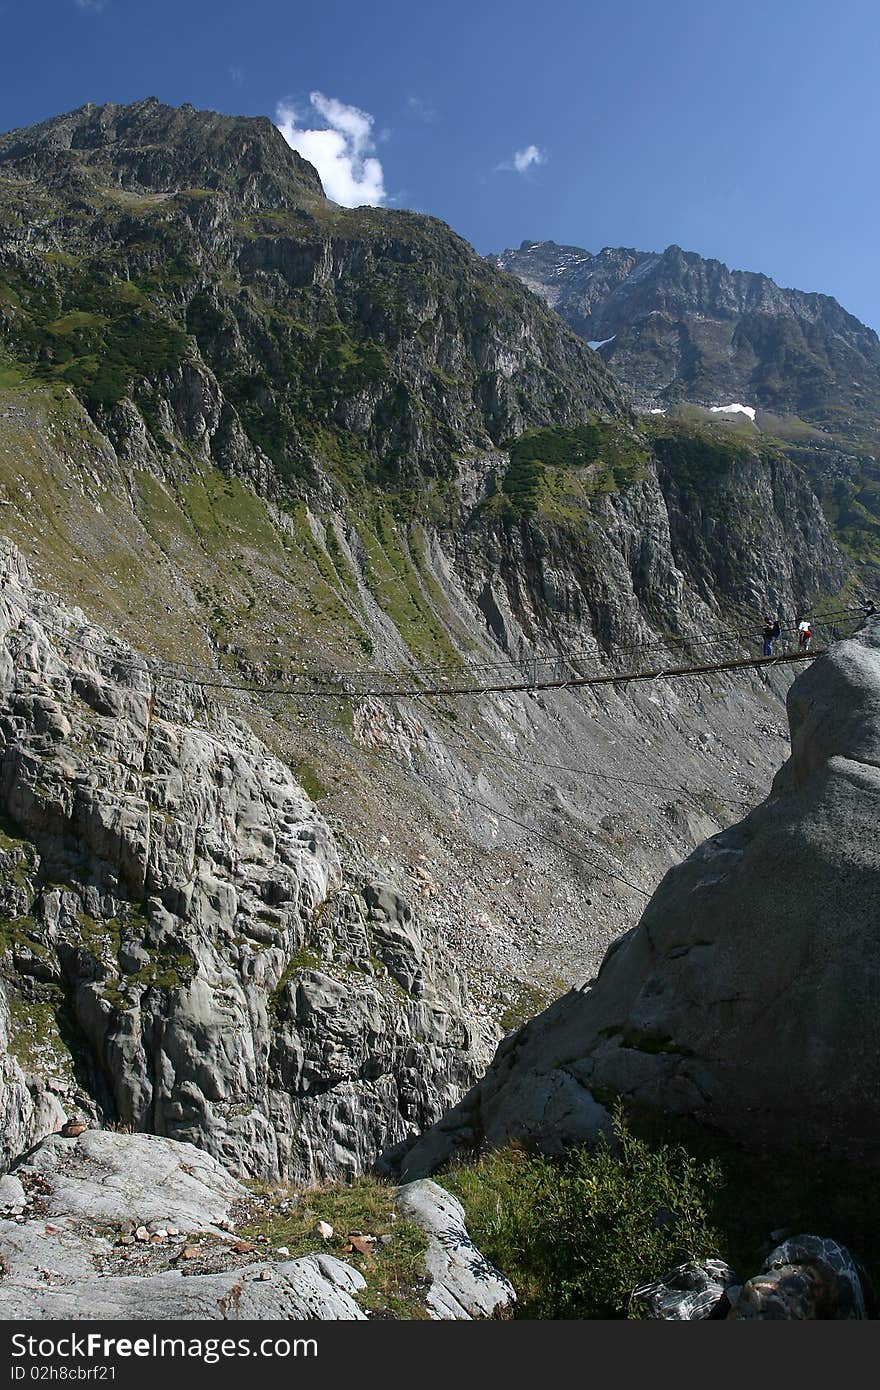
point(107, 1225)
point(747, 995)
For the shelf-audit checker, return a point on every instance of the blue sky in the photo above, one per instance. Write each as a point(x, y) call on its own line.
point(748, 132)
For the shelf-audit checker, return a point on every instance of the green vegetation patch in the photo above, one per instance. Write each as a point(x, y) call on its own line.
point(35, 1034)
point(528, 1000)
point(699, 459)
point(95, 336)
point(394, 1270)
point(309, 780)
point(614, 456)
point(21, 934)
point(306, 958)
point(576, 1235)
point(165, 970)
point(396, 585)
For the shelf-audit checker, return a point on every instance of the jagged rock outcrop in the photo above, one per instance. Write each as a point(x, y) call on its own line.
point(181, 949)
point(746, 996)
point(675, 326)
point(691, 1292)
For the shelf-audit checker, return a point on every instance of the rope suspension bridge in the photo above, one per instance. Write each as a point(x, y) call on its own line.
point(532, 672)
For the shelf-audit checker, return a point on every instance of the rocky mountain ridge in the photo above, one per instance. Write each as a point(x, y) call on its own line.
point(148, 147)
point(676, 326)
point(687, 336)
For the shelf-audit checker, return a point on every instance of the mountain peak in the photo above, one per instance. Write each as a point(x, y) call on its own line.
point(149, 147)
point(677, 326)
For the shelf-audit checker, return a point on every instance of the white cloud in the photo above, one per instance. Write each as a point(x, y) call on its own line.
point(524, 159)
point(90, 4)
point(340, 150)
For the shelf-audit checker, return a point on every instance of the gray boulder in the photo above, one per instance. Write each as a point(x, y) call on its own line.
point(464, 1285)
point(747, 995)
point(44, 1283)
point(804, 1277)
point(104, 1177)
point(694, 1291)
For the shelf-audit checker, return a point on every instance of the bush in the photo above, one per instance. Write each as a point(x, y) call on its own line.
point(575, 1235)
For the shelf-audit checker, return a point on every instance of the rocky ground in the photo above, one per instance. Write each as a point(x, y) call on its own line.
point(132, 1226)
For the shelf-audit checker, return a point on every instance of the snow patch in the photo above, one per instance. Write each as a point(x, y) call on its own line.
point(602, 342)
point(657, 410)
point(734, 409)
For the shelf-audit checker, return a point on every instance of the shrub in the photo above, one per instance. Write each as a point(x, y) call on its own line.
point(575, 1235)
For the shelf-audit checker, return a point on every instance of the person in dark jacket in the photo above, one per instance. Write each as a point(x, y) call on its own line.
point(768, 634)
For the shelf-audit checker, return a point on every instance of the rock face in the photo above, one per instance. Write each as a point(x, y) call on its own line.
point(181, 950)
point(690, 1293)
point(676, 326)
point(746, 996)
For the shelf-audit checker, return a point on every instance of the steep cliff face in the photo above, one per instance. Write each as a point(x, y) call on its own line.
point(298, 452)
point(679, 330)
point(184, 953)
point(746, 995)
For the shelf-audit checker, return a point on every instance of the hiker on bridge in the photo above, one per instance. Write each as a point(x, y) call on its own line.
point(805, 635)
point(770, 633)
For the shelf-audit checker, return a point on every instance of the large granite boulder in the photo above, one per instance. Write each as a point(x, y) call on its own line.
point(463, 1283)
point(747, 995)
